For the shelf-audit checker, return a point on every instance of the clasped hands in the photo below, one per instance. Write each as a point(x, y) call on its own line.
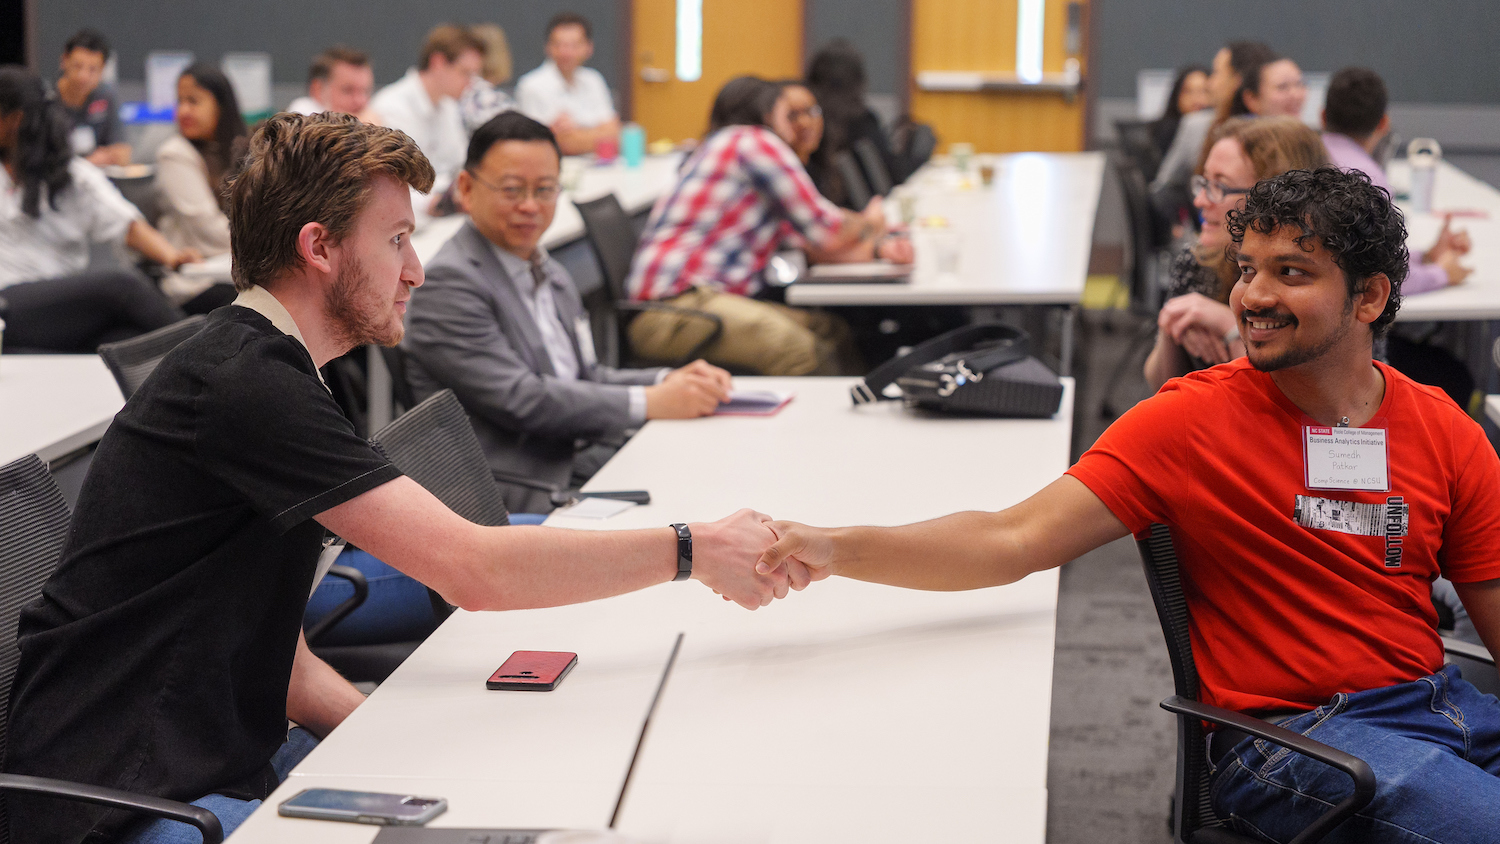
point(1201, 326)
point(751, 559)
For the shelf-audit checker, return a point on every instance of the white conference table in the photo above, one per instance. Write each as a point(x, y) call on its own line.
point(848, 712)
point(52, 405)
point(1024, 240)
point(1477, 207)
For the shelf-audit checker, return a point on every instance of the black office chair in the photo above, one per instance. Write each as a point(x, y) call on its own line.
point(1194, 820)
point(913, 143)
point(1137, 142)
point(855, 188)
point(434, 445)
point(613, 240)
point(33, 529)
point(873, 166)
point(132, 361)
point(1143, 271)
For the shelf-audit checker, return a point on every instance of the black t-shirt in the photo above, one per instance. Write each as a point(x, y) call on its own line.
point(99, 115)
point(158, 658)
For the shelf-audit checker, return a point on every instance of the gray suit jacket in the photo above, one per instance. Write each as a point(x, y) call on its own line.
point(468, 329)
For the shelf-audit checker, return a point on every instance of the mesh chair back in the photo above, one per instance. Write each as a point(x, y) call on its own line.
point(33, 528)
point(1136, 141)
point(855, 188)
point(1146, 236)
point(435, 446)
point(873, 165)
point(1193, 810)
point(132, 361)
point(612, 237)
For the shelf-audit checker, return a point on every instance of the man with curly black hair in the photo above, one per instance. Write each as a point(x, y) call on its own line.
point(1313, 495)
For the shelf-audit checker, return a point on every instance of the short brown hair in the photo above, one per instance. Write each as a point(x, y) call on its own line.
point(322, 64)
point(451, 41)
point(309, 168)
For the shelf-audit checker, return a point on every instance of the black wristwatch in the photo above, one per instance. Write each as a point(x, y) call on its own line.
point(684, 552)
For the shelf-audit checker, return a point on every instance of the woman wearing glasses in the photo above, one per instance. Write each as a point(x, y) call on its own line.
point(1195, 327)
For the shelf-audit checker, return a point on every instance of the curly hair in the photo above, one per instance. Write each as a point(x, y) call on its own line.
point(1353, 219)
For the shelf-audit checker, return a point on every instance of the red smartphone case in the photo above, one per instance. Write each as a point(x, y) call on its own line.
point(532, 671)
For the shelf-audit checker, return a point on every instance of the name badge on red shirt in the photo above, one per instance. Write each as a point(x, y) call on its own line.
point(1345, 458)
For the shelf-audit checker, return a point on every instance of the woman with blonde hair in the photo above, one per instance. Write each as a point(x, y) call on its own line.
point(1195, 326)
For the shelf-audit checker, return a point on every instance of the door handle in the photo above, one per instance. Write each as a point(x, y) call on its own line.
point(655, 74)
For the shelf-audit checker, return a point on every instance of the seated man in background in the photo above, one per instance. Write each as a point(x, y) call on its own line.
point(573, 100)
point(501, 324)
point(740, 196)
point(340, 79)
point(805, 117)
point(1354, 123)
point(1309, 605)
point(92, 107)
point(424, 105)
point(166, 655)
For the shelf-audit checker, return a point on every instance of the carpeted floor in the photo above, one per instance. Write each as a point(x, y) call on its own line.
point(1110, 766)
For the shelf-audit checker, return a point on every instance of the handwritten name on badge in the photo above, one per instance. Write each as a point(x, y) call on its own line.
point(1346, 458)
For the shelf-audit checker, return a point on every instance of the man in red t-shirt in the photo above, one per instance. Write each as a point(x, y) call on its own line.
point(1313, 495)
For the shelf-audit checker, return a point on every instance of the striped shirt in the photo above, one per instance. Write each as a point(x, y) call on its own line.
point(741, 196)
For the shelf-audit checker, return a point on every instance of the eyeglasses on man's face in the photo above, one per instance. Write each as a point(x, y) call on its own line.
point(517, 191)
point(1215, 191)
point(808, 113)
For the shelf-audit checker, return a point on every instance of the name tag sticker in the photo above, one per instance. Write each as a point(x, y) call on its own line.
point(1346, 458)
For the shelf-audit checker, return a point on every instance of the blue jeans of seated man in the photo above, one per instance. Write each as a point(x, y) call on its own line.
point(398, 608)
point(1434, 745)
point(230, 812)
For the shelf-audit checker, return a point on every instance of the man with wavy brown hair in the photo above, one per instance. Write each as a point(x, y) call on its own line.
point(166, 654)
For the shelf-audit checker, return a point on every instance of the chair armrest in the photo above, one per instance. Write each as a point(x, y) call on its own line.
point(713, 319)
point(1357, 769)
point(505, 477)
point(203, 819)
point(1478, 653)
point(361, 586)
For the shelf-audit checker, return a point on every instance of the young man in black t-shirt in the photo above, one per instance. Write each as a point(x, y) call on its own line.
point(97, 133)
point(166, 654)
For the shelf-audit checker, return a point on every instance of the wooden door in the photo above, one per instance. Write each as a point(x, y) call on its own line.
point(760, 37)
point(980, 36)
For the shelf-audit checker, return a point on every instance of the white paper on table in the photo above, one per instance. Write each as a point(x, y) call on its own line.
point(595, 508)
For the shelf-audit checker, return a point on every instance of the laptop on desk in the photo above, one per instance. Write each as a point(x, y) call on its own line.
point(439, 835)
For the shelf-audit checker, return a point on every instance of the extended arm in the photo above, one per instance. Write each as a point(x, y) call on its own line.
point(318, 698)
point(961, 551)
point(517, 567)
point(149, 242)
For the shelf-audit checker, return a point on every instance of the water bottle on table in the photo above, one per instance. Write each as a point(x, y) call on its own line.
point(1423, 154)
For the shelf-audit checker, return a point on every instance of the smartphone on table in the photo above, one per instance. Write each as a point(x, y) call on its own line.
point(532, 671)
point(333, 804)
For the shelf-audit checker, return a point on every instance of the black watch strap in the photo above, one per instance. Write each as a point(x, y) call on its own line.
point(684, 551)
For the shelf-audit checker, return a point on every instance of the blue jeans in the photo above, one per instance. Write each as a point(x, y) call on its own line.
point(398, 608)
point(230, 812)
point(1434, 745)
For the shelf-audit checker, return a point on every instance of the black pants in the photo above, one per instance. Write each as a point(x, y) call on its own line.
point(76, 313)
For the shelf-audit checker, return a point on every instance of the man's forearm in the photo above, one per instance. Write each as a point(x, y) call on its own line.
point(318, 698)
point(969, 550)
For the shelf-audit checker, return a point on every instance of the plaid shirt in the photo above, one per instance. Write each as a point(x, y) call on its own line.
point(740, 196)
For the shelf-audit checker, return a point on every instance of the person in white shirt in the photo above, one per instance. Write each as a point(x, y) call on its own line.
point(53, 206)
point(573, 100)
point(424, 105)
point(340, 79)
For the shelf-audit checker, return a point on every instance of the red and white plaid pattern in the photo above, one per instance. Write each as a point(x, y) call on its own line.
point(741, 196)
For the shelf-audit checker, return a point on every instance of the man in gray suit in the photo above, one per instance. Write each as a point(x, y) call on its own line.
point(502, 325)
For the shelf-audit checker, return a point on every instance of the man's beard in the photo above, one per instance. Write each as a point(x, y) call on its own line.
point(1298, 355)
point(356, 320)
